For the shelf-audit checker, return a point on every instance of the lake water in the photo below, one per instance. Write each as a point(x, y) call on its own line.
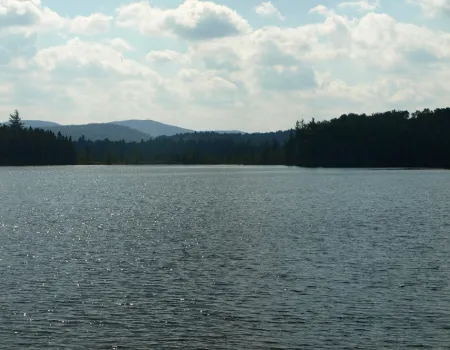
point(224, 258)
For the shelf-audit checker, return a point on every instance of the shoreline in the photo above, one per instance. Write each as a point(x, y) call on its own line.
point(224, 164)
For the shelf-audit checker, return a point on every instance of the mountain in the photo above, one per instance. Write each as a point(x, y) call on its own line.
point(42, 124)
point(128, 130)
point(96, 132)
point(153, 128)
point(229, 132)
point(39, 124)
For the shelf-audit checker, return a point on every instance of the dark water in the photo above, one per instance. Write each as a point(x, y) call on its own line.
point(224, 258)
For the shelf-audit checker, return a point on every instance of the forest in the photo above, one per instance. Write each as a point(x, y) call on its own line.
point(192, 148)
point(391, 139)
point(21, 146)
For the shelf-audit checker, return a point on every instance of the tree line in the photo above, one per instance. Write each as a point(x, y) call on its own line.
point(195, 148)
point(389, 139)
point(26, 146)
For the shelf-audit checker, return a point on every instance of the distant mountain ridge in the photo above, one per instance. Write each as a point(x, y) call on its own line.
point(132, 130)
point(229, 132)
point(39, 124)
point(153, 128)
point(36, 124)
point(95, 132)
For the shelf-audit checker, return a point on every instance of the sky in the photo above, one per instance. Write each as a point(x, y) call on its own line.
point(228, 64)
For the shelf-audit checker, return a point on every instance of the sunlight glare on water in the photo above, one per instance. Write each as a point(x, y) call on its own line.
point(224, 258)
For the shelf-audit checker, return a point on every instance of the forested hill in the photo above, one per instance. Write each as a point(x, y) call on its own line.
point(108, 131)
point(194, 148)
point(390, 139)
point(93, 131)
point(254, 138)
point(26, 146)
point(152, 128)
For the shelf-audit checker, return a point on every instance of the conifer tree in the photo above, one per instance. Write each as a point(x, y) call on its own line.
point(15, 121)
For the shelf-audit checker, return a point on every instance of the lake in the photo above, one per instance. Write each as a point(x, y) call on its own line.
point(224, 257)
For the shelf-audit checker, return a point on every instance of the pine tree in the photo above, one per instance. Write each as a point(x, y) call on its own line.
point(15, 121)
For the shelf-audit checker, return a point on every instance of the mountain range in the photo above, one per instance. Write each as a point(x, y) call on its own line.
point(128, 130)
point(153, 128)
point(96, 132)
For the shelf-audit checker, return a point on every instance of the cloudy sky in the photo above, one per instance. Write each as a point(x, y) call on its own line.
point(225, 64)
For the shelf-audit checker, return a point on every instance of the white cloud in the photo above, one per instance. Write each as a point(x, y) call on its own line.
point(433, 8)
point(15, 46)
point(281, 78)
point(374, 40)
point(5, 88)
point(226, 74)
point(217, 56)
point(27, 16)
point(92, 59)
point(268, 9)
point(120, 44)
point(361, 5)
point(96, 23)
point(192, 20)
point(207, 88)
point(166, 56)
point(321, 10)
point(22, 25)
point(283, 65)
point(21, 22)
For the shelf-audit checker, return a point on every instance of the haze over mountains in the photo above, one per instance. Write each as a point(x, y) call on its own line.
point(127, 130)
point(39, 124)
point(153, 128)
point(95, 132)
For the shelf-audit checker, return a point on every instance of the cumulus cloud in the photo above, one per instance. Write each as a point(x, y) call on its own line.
point(268, 9)
point(20, 24)
point(361, 5)
point(166, 56)
point(281, 78)
point(96, 23)
point(17, 46)
point(29, 15)
point(120, 44)
point(226, 74)
point(286, 61)
point(217, 56)
point(92, 59)
point(374, 40)
point(433, 8)
point(321, 10)
point(192, 20)
point(207, 88)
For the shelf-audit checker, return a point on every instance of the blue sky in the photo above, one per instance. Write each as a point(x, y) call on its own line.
point(230, 64)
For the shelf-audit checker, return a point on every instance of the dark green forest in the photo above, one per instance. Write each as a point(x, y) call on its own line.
point(27, 146)
point(194, 148)
point(389, 139)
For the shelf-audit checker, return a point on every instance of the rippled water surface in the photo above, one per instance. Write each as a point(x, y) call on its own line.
point(224, 258)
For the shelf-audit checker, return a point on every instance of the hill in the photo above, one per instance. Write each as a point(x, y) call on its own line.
point(21, 146)
point(152, 128)
point(96, 132)
point(191, 148)
point(39, 124)
point(254, 138)
point(93, 131)
point(229, 132)
point(42, 124)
